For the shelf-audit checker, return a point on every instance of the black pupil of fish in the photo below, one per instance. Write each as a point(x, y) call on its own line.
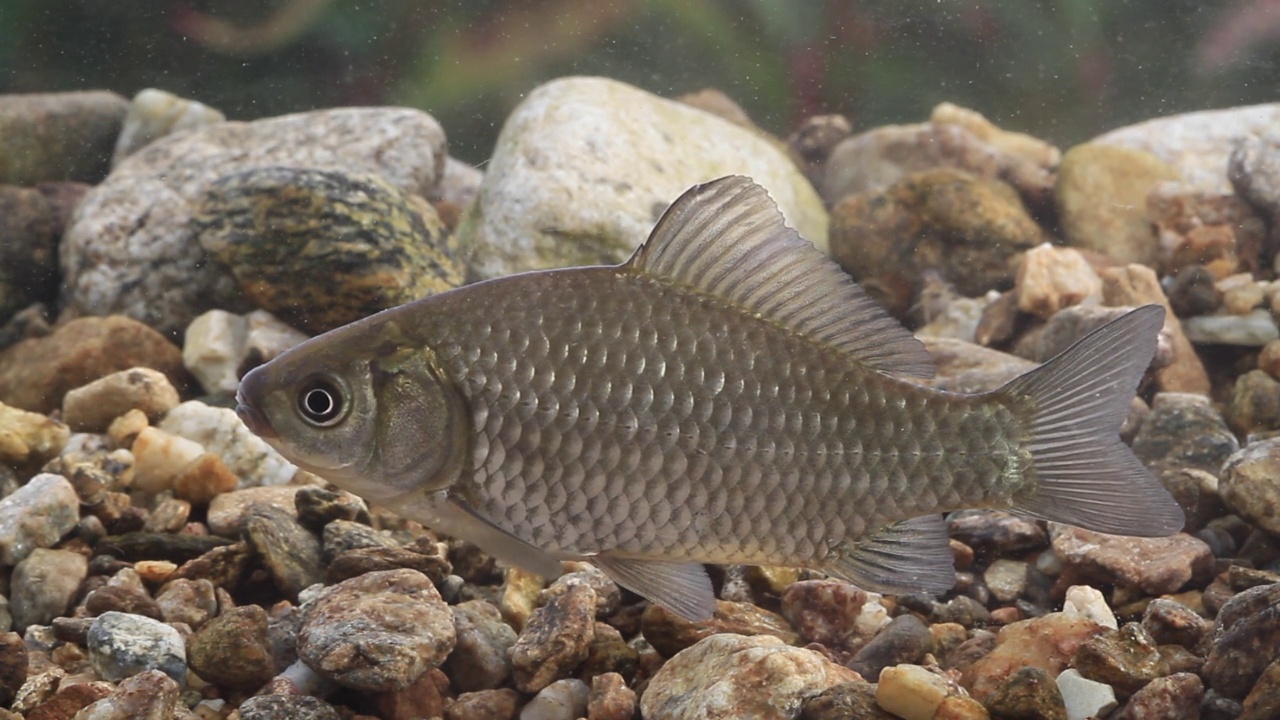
point(320, 403)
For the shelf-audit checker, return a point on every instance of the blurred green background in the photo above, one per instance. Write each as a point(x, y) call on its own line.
point(1063, 70)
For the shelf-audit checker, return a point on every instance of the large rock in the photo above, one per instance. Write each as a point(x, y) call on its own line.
point(1198, 144)
point(734, 676)
point(584, 167)
point(58, 136)
point(132, 247)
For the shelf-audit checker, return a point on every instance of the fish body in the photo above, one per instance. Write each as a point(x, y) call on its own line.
point(727, 396)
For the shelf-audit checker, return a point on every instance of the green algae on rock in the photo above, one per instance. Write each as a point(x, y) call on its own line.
point(322, 248)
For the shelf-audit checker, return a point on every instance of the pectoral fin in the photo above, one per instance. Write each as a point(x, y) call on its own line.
point(683, 588)
point(454, 517)
point(909, 556)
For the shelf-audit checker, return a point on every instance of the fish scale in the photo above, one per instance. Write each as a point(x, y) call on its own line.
point(727, 395)
point(712, 454)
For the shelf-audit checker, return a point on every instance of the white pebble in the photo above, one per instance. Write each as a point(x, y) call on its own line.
point(221, 432)
point(1089, 602)
point(1252, 330)
point(1083, 697)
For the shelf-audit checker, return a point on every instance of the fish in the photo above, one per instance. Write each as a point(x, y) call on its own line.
point(727, 395)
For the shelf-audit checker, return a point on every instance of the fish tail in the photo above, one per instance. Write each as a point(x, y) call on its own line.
point(1081, 473)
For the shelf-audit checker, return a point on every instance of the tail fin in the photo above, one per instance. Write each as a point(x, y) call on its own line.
point(1085, 476)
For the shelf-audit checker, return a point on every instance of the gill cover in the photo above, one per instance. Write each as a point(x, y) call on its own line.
point(420, 436)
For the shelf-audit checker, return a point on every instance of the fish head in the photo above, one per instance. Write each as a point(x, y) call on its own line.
point(362, 409)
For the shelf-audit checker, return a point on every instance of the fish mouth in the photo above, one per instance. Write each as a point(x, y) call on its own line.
point(250, 415)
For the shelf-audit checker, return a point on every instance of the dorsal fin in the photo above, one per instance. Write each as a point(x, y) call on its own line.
point(727, 238)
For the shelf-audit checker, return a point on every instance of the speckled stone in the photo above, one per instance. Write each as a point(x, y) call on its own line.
point(132, 248)
point(290, 553)
point(218, 429)
point(623, 154)
point(1246, 639)
point(1157, 566)
point(92, 407)
point(1027, 694)
point(35, 374)
point(58, 136)
point(121, 645)
point(231, 650)
point(904, 640)
point(378, 632)
point(610, 698)
point(555, 640)
point(1125, 659)
point(278, 228)
point(122, 598)
point(734, 676)
point(69, 699)
point(479, 660)
point(966, 228)
point(1047, 642)
point(1173, 697)
point(829, 611)
point(1184, 430)
point(1248, 487)
point(149, 695)
point(852, 699)
point(37, 515)
point(192, 602)
point(501, 704)
point(287, 707)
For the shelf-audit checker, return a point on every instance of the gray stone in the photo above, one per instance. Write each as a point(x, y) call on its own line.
point(621, 155)
point(1246, 639)
point(1184, 430)
point(37, 515)
point(1248, 485)
point(287, 707)
point(122, 645)
point(290, 553)
point(561, 700)
point(479, 660)
point(43, 586)
point(132, 248)
point(1252, 330)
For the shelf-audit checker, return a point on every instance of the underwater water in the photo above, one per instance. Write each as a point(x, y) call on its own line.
point(640, 358)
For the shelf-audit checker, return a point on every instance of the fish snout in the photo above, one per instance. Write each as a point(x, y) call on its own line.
point(246, 410)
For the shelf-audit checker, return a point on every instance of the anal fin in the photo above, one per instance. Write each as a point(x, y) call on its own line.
point(683, 588)
point(454, 517)
point(909, 556)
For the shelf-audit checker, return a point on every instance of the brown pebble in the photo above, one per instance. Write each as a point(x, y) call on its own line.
point(13, 666)
point(204, 479)
point(122, 598)
point(669, 633)
point(555, 640)
point(70, 699)
point(501, 704)
point(232, 649)
point(610, 698)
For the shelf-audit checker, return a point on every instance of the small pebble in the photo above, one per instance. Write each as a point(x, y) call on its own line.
point(121, 645)
point(1126, 659)
point(1174, 697)
point(43, 586)
point(847, 700)
point(1254, 329)
point(36, 515)
point(191, 602)
point(160, 457)
point(669, 633)
point(479, 660)
point(555, 640)
point(1083, 697)
point(610, 698)
point(501, 704)
point(229, 512)
point(92, 407)
point(288, 551)
point(29, 436)
point(1027, 693)
point(910, 691)
point(287, 707)
point(904, 640)
point(1088, 601)
point(149, 695)
point(561, 700)
point(231, 650)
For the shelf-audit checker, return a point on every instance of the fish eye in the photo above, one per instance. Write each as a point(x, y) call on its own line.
point(321, 402)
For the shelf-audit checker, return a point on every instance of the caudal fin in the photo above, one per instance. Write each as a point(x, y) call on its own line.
point(1084, 475)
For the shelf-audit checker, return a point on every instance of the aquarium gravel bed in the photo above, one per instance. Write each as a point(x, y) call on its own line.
point(159, 560)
